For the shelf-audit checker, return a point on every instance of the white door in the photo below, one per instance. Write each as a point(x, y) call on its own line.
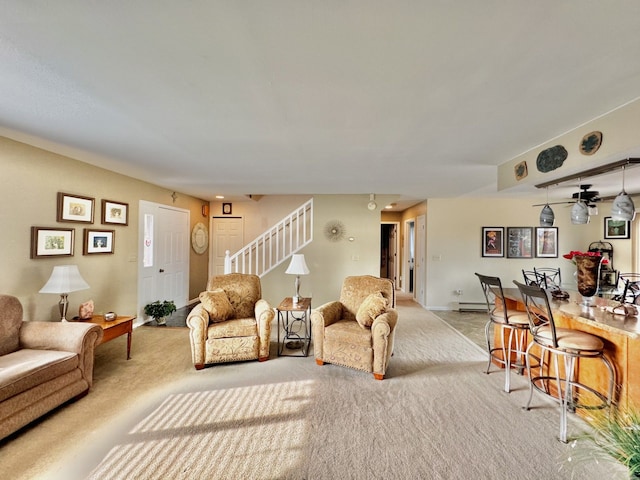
point(420, 264)
point(163, 255)
point(227, 234)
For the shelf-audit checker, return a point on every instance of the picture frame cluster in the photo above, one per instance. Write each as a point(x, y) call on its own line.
point(520, 242)
point(49, 242)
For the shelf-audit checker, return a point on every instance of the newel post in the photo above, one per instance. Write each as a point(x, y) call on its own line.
point(227, 262)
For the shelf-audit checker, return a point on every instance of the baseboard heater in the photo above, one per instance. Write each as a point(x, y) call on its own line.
point(472, 306)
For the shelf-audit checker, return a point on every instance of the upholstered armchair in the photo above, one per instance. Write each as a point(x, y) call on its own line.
point(358, 330)
point(231, 323)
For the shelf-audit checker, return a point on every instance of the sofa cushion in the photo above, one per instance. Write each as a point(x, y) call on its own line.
point(26, 368)
point(217, 305)
point(347, 332)
point(371, 307)
point(239, 327)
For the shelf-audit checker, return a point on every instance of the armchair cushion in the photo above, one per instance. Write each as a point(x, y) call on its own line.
point(372, 306)
point(217, 305)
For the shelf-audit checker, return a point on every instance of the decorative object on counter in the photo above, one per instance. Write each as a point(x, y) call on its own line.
point(297, 267)
point(85, 312)
point(623, 207)
point(551, 158)
point(160, 310)
point(110, 316)
point(521, 170)
point(63, 280)
point(588, 267)
point(590, 143)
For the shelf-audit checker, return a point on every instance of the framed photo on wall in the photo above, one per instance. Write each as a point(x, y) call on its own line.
point(98, 241)
point(616, 228)
point(519, 242)
point(493, 241)
point(74, 208)
point(547, 242)
point(115, 212)
point(51, 242)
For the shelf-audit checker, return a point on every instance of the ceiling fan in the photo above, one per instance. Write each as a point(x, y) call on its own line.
point(590, 197)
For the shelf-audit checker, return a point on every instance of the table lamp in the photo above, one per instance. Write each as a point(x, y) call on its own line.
point(297, 267)
point(63, 280)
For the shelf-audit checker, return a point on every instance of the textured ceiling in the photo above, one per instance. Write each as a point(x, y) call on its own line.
point(420, 98)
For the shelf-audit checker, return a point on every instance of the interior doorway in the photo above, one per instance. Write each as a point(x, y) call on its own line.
point(389, 251)
point(409, 253)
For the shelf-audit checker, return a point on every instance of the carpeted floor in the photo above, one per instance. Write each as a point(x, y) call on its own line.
point(435, 416)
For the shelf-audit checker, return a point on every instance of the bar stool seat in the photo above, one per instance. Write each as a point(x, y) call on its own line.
point(511, 354)
point(568, 345)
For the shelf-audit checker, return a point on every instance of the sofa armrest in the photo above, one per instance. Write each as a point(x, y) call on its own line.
point(198, 321)
point(264, 313)
point(322, 317)
point(382, 338)
point(77, 337)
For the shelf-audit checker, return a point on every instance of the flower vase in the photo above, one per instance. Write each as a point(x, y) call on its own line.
point(588, 269)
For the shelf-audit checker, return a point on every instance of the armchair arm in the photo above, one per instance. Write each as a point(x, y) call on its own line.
point(77, 337)
point(264, 316)
point(382, 333)
point(322, 317)
point(198, 321)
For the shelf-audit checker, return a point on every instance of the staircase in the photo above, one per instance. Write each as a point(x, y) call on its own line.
point(275, 245)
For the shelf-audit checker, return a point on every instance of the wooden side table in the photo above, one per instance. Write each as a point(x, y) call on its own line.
point(114, 328)
point(296, 324)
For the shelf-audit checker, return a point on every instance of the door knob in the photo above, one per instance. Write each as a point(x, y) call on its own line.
point(162, 270)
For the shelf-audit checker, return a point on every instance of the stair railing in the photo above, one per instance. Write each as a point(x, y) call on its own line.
point(275, 245)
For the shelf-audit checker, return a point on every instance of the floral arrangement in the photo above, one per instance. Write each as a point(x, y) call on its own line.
point(573, 253)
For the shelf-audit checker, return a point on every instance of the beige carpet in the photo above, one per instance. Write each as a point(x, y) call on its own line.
point(435, 416)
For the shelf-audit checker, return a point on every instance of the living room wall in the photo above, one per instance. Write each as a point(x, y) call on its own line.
point(31, 178)
point(454, 227)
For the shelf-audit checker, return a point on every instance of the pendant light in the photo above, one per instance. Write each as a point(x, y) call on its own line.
point(623, 207)
point(547, 217)
point(579, 212)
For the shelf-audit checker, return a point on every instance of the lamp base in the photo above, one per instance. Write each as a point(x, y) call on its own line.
point(64, 305)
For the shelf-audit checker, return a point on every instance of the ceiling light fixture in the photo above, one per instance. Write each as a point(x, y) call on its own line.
point(547, 217)
point(579, 212)
point(623, 207)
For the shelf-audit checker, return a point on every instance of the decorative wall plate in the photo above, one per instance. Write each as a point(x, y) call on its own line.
point(551, 158)
point(199, 238)
point(521, 170)
point(590, 143)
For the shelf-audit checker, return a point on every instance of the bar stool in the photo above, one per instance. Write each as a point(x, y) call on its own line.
point(551, 277)
point(569, 345)
point(513, 321)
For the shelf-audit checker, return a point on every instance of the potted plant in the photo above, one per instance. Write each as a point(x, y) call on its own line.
point(614, 435)
point(160, 310)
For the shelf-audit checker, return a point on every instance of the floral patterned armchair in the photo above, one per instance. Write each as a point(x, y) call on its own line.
point(231, 323)
point(358, 330)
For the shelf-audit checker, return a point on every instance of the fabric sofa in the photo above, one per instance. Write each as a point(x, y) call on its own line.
point(42, 364)
point(231, 323)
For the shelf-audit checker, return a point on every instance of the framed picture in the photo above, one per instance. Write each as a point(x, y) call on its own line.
point(616, 228)
point(226, 209)
point(115, 212)
point(52, 242)
point(493, 241)
point(519, 242)
point(74, 208)
point(547, 242)
point(98, 241)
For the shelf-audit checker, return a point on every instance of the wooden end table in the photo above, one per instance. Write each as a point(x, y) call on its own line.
point(114, 328)
point(297, 328)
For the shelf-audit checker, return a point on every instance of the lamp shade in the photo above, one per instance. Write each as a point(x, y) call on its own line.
point(64, 279)
point(297, 266)
point(547, 216)
point(579, 213)
point(623, 207)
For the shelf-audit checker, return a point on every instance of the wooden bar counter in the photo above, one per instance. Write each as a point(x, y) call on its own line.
point(621, 336)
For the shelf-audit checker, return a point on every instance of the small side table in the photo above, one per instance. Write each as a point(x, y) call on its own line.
point(114, 328)
point(296, 324)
